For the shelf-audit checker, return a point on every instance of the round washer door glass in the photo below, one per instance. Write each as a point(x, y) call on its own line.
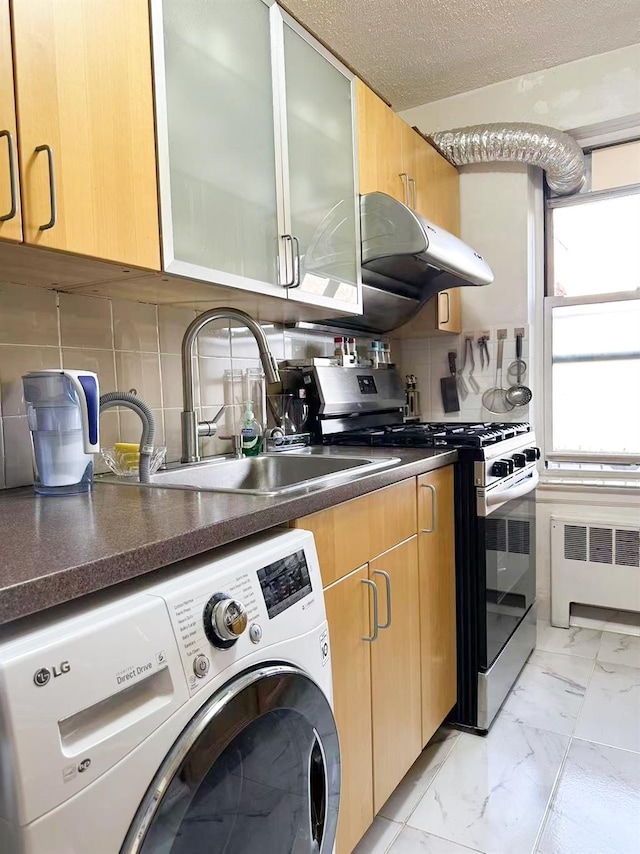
point(257, 769)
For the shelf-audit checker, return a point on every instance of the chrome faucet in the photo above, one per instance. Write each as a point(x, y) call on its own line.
point(192, 429)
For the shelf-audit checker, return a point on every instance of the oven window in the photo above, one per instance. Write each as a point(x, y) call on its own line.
point(509, 545)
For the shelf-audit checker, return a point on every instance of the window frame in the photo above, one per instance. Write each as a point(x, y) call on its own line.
point(550, 301)
point(571, 201)
point(577, 456)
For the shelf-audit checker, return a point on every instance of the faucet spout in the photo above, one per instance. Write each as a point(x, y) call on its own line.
point(189, 423)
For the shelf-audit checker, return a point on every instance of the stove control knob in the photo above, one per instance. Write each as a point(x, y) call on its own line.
point(519, 460)
point(225, 619)
point(502, 468)
point(532, 454)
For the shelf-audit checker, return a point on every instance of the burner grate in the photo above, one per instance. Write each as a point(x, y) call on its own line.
point(431, 435)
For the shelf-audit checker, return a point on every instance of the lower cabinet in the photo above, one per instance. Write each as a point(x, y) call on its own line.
point(390, 600)
point(347, 603)
point(395, 669)
point(437, 597)
point(376, 683)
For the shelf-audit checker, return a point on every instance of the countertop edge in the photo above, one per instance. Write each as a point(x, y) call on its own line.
point(43, 592)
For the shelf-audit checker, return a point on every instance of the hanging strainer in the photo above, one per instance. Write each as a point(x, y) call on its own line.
point(495, 399)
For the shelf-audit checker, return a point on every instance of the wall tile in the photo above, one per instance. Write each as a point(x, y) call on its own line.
point(28, 315)
point(98, 361)
point(131, 426)
point(109, 435)
point(16, 361)
point(172, 434)
point(2, 484)
point(304, 346)
point(142, 372)
point(214, 445)
point(243, 344)
point(172, 323)
point(215, 340)
point(211, 380)
point(85, 322)
point(171, 368)
point(18, 463)
point(135, 326)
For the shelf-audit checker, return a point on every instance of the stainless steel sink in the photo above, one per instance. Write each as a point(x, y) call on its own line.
point(267, 474)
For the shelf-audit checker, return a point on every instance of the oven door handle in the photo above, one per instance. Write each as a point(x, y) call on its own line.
point(526, 485)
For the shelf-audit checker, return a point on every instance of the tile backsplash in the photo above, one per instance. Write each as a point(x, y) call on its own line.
point(427, 358)
point(137, 346)
point(129, 345)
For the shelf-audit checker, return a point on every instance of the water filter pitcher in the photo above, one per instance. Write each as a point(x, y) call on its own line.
point(62, 412)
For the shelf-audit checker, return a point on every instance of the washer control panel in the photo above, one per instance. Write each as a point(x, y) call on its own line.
point(226, 609)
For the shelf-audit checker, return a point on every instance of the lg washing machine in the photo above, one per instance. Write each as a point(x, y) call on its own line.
point(184, 716)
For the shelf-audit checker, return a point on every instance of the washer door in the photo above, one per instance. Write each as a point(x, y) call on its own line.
point(257, 768)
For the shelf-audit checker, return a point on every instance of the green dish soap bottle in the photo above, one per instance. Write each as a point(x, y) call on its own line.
point(251, 433)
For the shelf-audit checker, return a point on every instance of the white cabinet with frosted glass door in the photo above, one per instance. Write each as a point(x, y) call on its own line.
point(255, 153)
point(319, 172)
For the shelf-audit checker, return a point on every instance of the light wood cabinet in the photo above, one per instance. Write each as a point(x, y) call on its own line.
point(351, 534)
point(376, 682)
point(86, 128)
point(347, 604)
point(10, 214)
point(380, 133)
point(396, 160)
point(437, 597)
point(438, 187)
point(395, 669)
point(441, 314)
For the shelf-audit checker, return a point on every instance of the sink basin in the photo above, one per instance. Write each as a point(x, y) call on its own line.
point(267, 474)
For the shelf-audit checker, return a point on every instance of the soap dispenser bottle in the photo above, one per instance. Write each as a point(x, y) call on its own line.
point(251, 432)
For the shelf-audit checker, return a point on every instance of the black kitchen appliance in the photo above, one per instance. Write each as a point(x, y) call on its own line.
point(495, 480)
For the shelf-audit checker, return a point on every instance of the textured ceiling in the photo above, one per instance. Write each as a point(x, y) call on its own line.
point(416, 51)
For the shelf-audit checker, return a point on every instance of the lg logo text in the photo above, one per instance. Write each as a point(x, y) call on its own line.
point(42, 676)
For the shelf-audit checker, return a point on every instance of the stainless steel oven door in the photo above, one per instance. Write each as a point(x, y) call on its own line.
point(506, 526)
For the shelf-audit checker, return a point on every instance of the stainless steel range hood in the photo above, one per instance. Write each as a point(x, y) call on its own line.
point(406, 260)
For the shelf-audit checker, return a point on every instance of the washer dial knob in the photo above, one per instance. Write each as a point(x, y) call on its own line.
point(225, 619)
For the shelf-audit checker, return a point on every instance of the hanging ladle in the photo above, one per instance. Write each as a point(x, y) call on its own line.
point(518, 394)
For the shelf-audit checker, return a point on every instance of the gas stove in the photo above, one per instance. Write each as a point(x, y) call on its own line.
point(494, 486)
point(498, 451)
point(432, 435)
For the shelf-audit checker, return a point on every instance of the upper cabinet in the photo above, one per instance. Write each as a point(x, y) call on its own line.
point(380, 132)
point(216, 141)
point(10, 216)
point(321, 207)
point(255, 127)
point(85, 130)
point(395, 160)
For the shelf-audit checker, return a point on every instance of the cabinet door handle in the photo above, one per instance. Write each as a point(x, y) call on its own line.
point(52, 188)
point(434, 517)
point(414, 193)
point(290, 283)
point(296, 262)
point(374, 636)
point(388, 583)
point(12, 177)
point(405, 183)
point(448, 298)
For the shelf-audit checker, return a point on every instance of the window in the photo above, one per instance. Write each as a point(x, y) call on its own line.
point(592, 318)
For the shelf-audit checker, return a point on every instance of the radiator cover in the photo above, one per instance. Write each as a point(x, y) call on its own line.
point(593, 563)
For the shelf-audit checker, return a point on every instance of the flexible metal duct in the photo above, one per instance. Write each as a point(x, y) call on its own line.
point(552, 150)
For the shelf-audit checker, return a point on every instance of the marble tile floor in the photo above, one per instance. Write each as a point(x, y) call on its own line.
point(559, 772)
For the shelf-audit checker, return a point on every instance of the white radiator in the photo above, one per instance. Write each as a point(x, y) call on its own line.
point(593, 563)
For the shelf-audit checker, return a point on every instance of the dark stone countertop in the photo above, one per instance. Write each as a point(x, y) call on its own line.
point(53, 550)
